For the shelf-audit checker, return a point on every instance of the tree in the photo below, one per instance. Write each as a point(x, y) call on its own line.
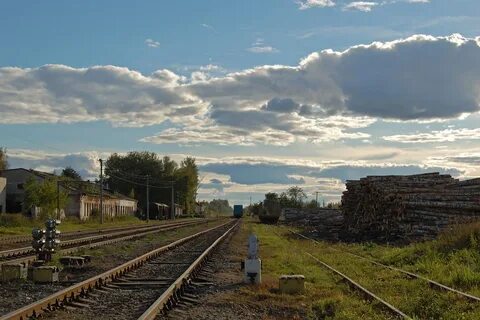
point(3, 159)
point(187, 183)
point(311, 204)
point(69, 172)
point(296, 196)
point(219, 206)
point(127, 174)
point(44, 195)
point(271, 196)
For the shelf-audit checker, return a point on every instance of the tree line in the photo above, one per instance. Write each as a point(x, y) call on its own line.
point(293, 197)
point(127, 174)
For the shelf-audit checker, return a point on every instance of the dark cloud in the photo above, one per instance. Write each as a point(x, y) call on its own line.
point(261, 173)
point(254, 173)
point(281, 105)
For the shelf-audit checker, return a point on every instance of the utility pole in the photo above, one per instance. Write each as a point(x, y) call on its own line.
point(316, 198)
point(101, 190)
point(148, 199)
point(173, 204)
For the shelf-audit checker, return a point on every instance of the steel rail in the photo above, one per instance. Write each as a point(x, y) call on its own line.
point(69, 294)
point(168, 299)
point(74, 242)
point(410, 274)
point(27, 238)
point(30, 258)
point(389, 306)
point(370, 294)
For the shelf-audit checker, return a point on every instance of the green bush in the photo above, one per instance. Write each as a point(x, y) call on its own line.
point(8, 220)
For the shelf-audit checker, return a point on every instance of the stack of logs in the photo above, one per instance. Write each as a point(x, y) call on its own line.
point(320, 223)
point(388, 208)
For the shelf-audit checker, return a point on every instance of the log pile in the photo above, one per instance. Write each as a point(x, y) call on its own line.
point(389, 208)
point(320, 223)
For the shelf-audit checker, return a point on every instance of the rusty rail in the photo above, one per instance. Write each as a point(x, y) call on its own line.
point(370, 294)
point(408, 273)
point(69, 294)
point(27, 238)
point(10, 253)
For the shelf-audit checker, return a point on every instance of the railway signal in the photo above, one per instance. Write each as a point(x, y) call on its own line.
point(45, 241)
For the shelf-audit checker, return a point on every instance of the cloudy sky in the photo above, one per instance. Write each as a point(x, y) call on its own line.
point(265, 94)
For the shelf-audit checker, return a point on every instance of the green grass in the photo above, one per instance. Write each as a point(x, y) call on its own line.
point(17, 224)
point(453, 259)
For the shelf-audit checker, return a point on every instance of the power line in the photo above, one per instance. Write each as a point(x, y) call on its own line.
point(140, 184)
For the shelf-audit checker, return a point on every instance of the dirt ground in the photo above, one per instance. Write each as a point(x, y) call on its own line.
point(228, 297)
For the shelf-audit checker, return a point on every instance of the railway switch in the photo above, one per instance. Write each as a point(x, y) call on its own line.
point(253, 264)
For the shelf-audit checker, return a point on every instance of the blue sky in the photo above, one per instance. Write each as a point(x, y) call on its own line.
point(245, 84)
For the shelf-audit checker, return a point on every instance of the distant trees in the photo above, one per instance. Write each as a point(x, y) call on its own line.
point(294, 197)
point(69, 172)
point(127, 174)
point(3, 159)
point(219, 206)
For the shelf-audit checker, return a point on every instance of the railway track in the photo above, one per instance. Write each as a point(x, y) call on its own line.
point(372, 296)
point(27, 254)
point(141, 288)
point(18, 241)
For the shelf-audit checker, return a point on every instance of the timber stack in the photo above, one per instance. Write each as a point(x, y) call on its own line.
point(320, 223)
point(393, 208)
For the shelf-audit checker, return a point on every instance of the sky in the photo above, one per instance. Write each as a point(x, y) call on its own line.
point(264, 94)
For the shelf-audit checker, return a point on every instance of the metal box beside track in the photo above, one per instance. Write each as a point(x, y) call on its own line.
point(14, 271)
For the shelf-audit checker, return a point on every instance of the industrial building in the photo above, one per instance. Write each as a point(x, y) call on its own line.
point(83, 199)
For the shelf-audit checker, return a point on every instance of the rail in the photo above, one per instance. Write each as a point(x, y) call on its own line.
point(69, 294)
point(167, 299)
point(27, 256)
point(410, 274)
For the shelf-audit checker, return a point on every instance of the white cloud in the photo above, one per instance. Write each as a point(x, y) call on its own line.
point(365, 6)
point(58, 93)
point(328, 96)
point(308, 4)
point(259, 46)
point(392, 80)
point(263, 49)
point(209, 27)
point(152, 43)
point(85, 163)
point(447, 135)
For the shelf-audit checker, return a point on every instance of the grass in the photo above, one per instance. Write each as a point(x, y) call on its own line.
point(453, 259)
point(17, 224)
